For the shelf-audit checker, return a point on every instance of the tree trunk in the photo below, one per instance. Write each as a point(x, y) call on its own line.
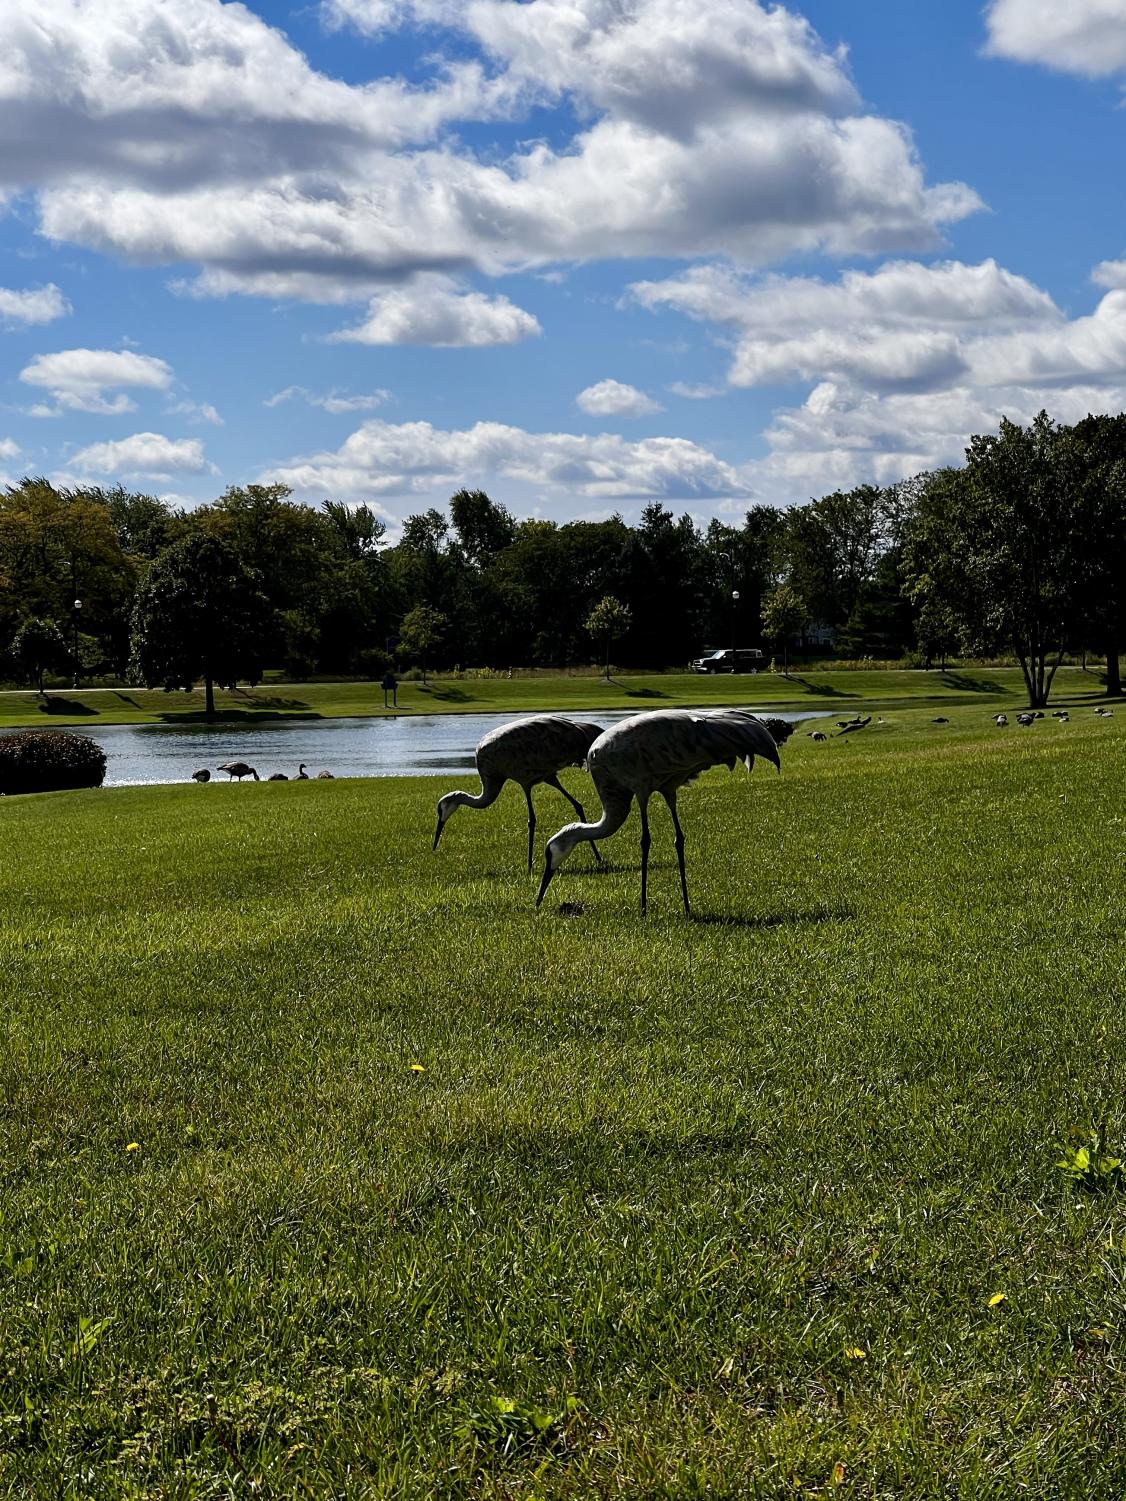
point(1113, 670)
point(209, 698)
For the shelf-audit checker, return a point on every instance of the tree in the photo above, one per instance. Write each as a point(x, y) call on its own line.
point(608, 621)
point(421, 631)
point(830, 548)
point(784, 614)
point(199, 613)
point(38, 646)
point(1000, 546)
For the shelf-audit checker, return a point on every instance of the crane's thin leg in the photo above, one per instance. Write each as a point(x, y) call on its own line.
point(670, 798)
point(531, 826)
point(643, 804)
point(578, 807)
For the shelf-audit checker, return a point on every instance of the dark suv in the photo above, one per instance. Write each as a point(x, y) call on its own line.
point(730, 659)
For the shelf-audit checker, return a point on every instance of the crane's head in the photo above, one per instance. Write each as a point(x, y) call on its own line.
point(446, 806)
point(559, 846)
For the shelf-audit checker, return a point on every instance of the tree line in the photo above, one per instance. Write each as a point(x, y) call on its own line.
point(1021, 550)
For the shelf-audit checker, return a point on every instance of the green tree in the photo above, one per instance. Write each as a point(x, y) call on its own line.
point(1001, 546)
point(830, 548)
point(784, 615)
point(38, 647)
point(421, 632)
point(199, 613)
point(608, 622)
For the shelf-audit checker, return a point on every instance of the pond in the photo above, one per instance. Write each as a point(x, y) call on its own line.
point(403, 745)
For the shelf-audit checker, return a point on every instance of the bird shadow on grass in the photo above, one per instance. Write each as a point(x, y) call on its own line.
point(645, 693)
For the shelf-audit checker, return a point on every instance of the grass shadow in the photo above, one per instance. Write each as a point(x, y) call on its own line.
point(970, 685)
point(645, 693)
point(56, 704)
point(126, 698)
point(453, 695)
point(235, 716)
point(773, 919)
point(820, 690)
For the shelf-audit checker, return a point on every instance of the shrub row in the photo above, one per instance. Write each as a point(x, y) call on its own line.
point(49, 761)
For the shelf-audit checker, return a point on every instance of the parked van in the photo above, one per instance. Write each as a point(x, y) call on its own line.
point(730, 659)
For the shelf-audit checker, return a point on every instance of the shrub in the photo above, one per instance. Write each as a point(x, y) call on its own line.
point(49, 761)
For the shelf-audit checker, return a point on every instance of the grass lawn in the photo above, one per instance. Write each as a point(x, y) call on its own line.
point(527, 694)
point(331, 1167)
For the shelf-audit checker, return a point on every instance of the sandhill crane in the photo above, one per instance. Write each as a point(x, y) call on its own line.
point(658, 752)
point(202, 775)
point(238, 769)
point(527, 752)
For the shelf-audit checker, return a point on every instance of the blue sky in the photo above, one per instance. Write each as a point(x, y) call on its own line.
point(580, 253)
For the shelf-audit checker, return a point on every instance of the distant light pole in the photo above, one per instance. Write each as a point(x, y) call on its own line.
point(74, 641)
point(734, 620)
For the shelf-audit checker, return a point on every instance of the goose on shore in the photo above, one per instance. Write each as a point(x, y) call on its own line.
point(238, 769)
point(202, 775)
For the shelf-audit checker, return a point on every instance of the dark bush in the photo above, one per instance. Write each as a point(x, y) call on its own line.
point(780, 729)
point(49, 761)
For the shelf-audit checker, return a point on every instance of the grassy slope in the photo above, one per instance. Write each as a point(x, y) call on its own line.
point(673, 1170)
point(671, 690)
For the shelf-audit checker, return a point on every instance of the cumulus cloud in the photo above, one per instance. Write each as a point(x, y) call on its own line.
point(386, 459)
point(9, 448)
point(34, 305)
point(196, 133)
point(79, 379)
point(903, 363)
point(612, 398)
point(144, 453)
point(195, 411)
point(330, 401)
point(1087, 37)
point(432, 310)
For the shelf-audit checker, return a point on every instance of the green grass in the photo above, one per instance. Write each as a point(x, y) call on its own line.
point(657, 1179)
point(522, 694)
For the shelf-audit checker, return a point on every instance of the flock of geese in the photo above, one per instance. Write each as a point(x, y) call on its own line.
point(240, 769)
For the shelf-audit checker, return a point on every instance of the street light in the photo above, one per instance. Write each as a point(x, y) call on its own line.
point(74, 642)
point(734, 620)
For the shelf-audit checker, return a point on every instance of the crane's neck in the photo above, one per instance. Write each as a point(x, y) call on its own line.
point(488, 795)
point(615, 810)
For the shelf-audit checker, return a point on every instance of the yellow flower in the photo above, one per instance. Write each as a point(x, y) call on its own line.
point(854, 1352)
point(838, 1473)
point(997, 1298)
point(417, 1068)
point(134, 1146)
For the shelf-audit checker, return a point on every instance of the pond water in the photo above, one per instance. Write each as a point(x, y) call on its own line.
point(403, 745)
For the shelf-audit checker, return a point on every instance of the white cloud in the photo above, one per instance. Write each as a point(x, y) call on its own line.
point(695, 390)
point(386, 459)
point(9, 448)
point(196, 133)
point(34, 305)
point(331, 401)
point(1087, 37)
point(904, 363)
point(195, 411)
point(144, 453)
point(78, 379)
point(432, 310)
point(1109, 274)
point(612, 398)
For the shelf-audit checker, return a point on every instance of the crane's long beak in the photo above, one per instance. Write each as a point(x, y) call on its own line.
point(545, 883)
point(438, 832)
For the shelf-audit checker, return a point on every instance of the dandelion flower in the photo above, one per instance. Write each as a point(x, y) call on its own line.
point(855, 1352)
point(134, 1146)
point(996, 1299)
point(417, 1068)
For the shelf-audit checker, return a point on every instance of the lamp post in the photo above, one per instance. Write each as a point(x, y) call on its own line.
point(734, 619)
point(74, 641)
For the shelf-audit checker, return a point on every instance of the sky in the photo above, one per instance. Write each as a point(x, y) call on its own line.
point(582, 254)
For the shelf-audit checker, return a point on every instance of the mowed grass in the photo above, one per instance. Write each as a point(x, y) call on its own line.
point(672, 1209)
point(442, 695)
